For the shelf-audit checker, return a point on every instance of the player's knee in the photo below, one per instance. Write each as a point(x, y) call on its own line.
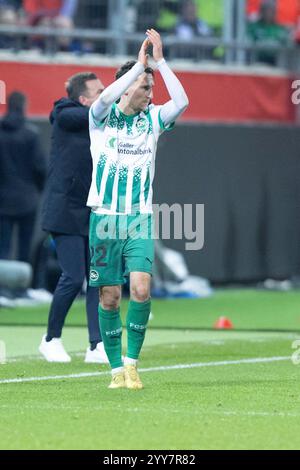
point(110, 303)
point(140, 293)
point(110, 298)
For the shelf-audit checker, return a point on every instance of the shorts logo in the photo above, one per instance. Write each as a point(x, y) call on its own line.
point(94, 276)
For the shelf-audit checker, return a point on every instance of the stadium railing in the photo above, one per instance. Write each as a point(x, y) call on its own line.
point(120, 43)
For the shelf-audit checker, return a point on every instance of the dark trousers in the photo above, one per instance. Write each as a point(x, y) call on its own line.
point(74, 260)
point(25, 226)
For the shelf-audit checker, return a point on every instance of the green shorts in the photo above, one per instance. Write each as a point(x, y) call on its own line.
point(119, 244)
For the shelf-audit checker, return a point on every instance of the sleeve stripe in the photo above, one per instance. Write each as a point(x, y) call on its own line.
point(169, 127)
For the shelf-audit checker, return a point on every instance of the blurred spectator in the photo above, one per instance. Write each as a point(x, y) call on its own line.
point(266, 29)
point(147, 14)
point(9, 11)
point(92, 15)
point(168, 15)
point(9, 15)
point(287, 11)
point(189, 24)
point(54, 13)
point(212, 12)
point(253, 9)
point(50, 11)
point(287, 14)
point(22, 177)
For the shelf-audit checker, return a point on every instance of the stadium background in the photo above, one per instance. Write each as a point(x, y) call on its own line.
point(236, 145)
point(235, 150)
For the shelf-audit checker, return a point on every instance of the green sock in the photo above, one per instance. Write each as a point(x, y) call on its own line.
point(136, 322)
point(111, 329)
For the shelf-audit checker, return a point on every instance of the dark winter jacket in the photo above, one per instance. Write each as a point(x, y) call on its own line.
point(22, 166)
point(70, 171)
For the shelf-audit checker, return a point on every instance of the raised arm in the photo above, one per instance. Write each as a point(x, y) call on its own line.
point(179, 100)
point(100, 108)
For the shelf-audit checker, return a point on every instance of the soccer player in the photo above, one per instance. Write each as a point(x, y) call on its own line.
point(124, 130)
point(66, 216)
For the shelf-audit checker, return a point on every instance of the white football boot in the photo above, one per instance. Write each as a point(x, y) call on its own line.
point(53, 351)
point(97, 356)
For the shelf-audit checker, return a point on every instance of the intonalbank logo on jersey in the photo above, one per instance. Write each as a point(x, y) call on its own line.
point(126, 148)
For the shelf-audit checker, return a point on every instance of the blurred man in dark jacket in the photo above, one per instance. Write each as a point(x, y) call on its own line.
point(22, 178)
point(66, 216)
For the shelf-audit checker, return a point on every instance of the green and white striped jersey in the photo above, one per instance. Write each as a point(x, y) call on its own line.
point(123, 149)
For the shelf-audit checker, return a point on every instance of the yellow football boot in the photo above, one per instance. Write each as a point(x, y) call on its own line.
point(132, 379)
point(117, 381)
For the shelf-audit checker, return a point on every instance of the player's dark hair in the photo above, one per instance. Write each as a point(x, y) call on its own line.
point(127, 66)
point(16, 102)
point(76, 85)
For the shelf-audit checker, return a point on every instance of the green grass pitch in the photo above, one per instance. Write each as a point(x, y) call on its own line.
point(204, 389)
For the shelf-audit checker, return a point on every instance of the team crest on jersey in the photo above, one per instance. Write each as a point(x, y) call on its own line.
point(94, 276)
point(141, 125)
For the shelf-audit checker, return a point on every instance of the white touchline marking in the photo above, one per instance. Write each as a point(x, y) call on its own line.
point(194, 412)
point(280, 414)
point(255, 360)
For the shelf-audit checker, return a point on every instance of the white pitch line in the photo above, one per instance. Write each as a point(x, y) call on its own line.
point(198, 412)
point(254, 360)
